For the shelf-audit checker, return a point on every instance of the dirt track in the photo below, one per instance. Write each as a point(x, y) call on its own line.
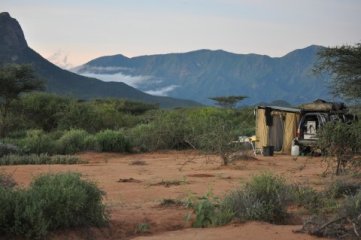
point(136, 184)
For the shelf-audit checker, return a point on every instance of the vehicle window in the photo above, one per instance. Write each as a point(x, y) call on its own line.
point(310, 126)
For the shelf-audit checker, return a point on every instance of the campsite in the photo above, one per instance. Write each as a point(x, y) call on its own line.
point(187, 140)
point(171, 177)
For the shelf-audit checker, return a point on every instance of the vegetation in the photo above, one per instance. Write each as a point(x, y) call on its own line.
point(112, 141)
point(344, 64)
point(142, 228)
point(264, 198)
point(51, 202)
point(13, 159)
point(341, 142)
point(50, 124)
point(343, 222)
point(335, 211)
point(209, 213)
point(14, 80)
point(8, 149)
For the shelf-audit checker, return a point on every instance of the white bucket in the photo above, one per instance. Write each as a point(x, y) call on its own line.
point(295, 151)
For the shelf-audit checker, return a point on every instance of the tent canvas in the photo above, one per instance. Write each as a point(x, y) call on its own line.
point(276, 126)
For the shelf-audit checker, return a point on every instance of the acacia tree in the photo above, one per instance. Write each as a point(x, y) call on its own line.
point(228, 101)
point(14, 80)
point(344, 64)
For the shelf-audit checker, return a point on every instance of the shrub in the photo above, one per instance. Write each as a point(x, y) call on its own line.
point(342, 141)
point(52, 202)
point(208, 129)
point(91, 143)
point(351, 207)
point(168, 130)
point(69, 201)
point(142, 136)
point(112, 141)
point(37, 141)
point(209, 213)
point(7, 149)
point(345, 224)
point(308, 198)
point(80, 115)
point(72, 141)
point(264, 198)
point(43, 110)
point(341, 188)
point(13, 159)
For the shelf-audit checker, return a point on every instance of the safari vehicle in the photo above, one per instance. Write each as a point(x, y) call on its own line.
point(314, 116)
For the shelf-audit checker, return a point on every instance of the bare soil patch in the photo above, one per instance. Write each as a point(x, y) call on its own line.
point(133, 196)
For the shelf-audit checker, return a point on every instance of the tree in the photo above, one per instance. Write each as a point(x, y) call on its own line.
point(344, 64)
point(14, 80)
point(228, 101)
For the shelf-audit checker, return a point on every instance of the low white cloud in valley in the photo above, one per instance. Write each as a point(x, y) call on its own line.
point(162, 91)
point(134, 81)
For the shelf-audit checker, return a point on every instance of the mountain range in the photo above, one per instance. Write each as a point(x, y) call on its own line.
point(201, 74)
point(197, 75)
point(14, 49)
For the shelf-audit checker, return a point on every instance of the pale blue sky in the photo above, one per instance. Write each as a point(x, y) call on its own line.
point(74, 32)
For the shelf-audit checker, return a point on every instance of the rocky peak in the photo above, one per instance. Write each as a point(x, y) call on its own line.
point(11, 34)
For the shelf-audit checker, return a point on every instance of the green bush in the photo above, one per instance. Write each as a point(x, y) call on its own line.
point(72, 141)
point(8, 149)
point(52, 202)
point(209, 213)
point(91, 143)
point(37, 141)
point(168, 130)
point(209, 129)
point(264, 198)
point(341, 188)
point(80, 115)
point(43, 110)
point(142, 136)
point(112, 141)
point(13, 159)
point(341, 142)
point(69, 201)
point(308, 198)
point(351, 207)
point(344, 224)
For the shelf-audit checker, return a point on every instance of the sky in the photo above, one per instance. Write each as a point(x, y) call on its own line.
point(71, 33)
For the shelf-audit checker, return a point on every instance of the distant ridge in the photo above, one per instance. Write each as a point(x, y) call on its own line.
point(201, 74)
point(14, 49)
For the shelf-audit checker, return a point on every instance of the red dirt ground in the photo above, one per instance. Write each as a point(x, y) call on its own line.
point(135, 184)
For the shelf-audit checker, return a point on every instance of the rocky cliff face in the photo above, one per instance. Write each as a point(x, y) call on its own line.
point(11, 35)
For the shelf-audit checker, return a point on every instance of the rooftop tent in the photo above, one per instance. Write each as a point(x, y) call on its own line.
point(323, 106)
point(276, 126)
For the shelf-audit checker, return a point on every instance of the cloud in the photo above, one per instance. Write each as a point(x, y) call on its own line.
point(162, 91)
point(87, 69)
point(133, 81)
point(60, 59)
